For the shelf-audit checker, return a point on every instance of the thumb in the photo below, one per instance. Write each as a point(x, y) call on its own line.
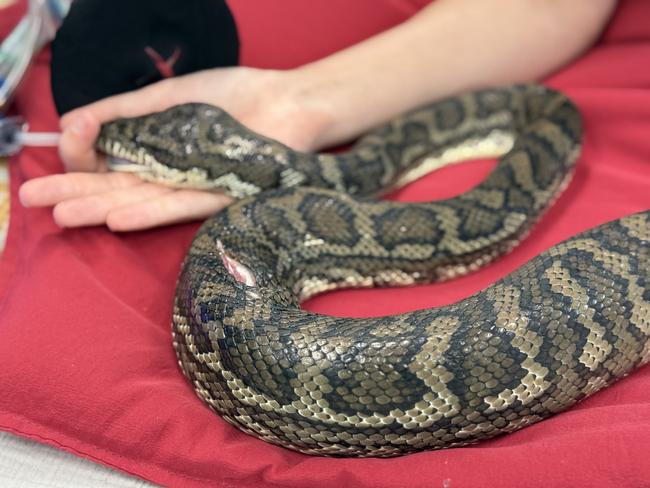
point(76, 146)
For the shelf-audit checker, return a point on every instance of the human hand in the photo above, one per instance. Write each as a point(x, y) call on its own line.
point(266, 101)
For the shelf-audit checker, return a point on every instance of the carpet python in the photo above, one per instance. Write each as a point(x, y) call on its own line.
point(563, 326)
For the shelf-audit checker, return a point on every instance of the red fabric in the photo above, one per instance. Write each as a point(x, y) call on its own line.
point(86, 362)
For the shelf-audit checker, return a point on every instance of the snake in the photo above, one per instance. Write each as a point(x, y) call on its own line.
point(566, 324)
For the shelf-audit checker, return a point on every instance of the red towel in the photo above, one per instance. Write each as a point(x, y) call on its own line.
point(86, 362)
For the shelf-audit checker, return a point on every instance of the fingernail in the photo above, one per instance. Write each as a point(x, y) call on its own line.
point(79, 126)
point(23, 195)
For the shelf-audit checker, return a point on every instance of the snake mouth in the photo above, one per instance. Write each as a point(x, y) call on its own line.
point(125, 165)
point(124, 158)
point(144, 165)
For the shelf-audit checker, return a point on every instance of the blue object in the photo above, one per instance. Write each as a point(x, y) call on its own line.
point(14, 135)
point(10, 129)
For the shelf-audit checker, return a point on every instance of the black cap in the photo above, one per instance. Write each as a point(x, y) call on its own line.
point(108, 47)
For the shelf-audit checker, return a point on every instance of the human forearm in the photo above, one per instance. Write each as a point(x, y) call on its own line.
point(450, 46)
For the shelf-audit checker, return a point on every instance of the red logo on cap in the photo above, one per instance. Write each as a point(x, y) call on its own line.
point(164, 66)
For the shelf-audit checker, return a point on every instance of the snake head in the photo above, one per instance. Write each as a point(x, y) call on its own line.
point(198, 146)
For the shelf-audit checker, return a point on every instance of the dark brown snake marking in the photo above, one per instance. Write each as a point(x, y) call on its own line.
point(563, 326)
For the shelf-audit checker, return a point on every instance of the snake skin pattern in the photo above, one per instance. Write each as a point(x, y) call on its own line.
point(566, 324)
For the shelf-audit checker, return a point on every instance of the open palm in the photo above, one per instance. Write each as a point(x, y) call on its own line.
point(90, 195)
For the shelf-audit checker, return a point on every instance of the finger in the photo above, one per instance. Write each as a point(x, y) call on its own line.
point(94, 209)
point(179, 206)
point(151, 98)
point(81, 126)
point(53, 189)
point(76, 146)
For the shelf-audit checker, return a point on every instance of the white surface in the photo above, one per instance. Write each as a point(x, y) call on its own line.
point(27, 464)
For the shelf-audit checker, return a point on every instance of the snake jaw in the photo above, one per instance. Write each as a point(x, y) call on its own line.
point(124, 156)
point(143, 164)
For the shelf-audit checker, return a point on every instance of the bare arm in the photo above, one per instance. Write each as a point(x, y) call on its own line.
point(449, 46)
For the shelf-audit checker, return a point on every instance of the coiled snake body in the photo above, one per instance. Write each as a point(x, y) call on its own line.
point(566, 324)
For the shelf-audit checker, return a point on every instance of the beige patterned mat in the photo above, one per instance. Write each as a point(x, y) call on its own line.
point(4, 183)
point(4, 202)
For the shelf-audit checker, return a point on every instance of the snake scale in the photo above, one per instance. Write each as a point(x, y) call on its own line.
point(563, 326)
